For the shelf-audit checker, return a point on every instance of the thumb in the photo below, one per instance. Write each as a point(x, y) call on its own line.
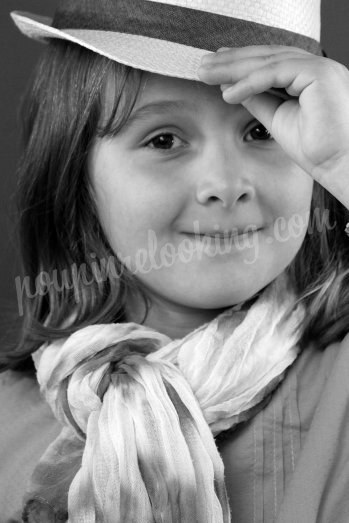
point(263, 107)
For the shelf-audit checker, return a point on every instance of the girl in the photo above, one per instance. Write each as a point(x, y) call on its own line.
point(185, 268)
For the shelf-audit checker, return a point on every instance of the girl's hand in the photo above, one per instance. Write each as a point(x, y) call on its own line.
point(313, 126)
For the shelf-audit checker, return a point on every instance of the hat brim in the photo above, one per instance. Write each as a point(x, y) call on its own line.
point(141, 52)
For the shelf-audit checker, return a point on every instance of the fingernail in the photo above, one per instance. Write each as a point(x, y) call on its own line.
point(202, 70)
point(207, 59)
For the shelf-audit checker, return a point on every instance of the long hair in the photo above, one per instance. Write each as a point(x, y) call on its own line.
point(320, 272)
point(61, 289)
point(59, 233)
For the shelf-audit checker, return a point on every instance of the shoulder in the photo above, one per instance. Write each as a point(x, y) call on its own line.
point(318, 375)
point(332, 362)
point(27, 427)
point(320, 483)
point(321, 365)
point(293, 456)
point(335, 392)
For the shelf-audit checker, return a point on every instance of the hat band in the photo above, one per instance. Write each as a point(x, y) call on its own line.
point(183, 25)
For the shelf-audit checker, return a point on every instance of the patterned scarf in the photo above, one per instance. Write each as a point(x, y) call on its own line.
point(140, 412)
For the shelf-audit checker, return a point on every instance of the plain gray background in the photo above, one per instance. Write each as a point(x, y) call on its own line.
point(17, 55)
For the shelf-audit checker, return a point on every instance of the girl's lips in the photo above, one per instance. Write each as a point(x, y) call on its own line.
point(224, 235)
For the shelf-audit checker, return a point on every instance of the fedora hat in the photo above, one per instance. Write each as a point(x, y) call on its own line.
point(169, 37)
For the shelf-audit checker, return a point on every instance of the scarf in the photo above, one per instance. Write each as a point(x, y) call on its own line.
point(140, 413)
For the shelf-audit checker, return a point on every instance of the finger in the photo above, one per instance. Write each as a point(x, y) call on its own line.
point(224, 87)
point(232, 72)
point(240, 53)
point(263, 107)
point(290, 75)
point(280, 93)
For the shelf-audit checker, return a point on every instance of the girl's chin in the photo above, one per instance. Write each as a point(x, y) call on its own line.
point(214, 300)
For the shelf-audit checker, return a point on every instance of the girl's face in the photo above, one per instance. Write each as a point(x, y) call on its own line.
point(197, 199)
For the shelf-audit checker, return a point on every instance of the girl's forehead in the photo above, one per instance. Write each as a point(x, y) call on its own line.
point(161, 95)
point(165, 80)
point(155, 86)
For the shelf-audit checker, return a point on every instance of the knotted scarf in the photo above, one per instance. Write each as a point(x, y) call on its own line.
point(140, 412)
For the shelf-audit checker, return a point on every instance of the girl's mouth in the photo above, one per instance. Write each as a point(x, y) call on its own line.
point(225, 235)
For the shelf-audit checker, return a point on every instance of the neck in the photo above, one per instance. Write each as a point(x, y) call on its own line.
point(171, 319)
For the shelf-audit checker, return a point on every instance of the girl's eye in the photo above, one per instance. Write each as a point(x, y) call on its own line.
point(164, 141)
point(259, 132)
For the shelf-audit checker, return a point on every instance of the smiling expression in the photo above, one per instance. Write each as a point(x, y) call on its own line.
point(191, 174)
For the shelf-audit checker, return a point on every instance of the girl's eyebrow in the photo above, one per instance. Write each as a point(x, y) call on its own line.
point(158, 108)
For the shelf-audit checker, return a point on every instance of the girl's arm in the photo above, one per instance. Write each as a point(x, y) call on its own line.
point(313, 125)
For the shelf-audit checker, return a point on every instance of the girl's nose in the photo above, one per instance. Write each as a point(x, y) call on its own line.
point(225, 182)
